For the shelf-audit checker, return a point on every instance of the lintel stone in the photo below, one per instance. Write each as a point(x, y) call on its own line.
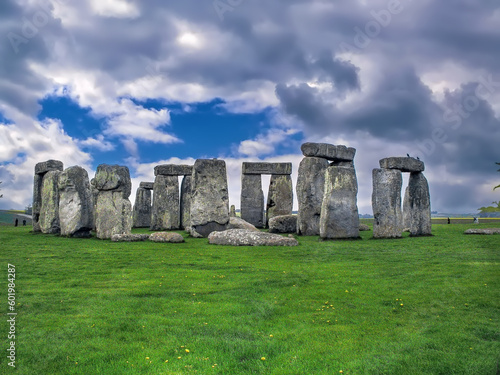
point(404, 164)
point(173, 170)
point(267, 168)
point(146, 185)
point(49, 165)
point(328, 151)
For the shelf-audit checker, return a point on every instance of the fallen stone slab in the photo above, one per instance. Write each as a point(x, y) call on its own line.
point(238, 223)
point(170, 237)
point(244, 237)
point(283, 224)
point(403, 164)
point(129, 237)
point(364, 228)
point(483, 231)
point(328, 151)
point(267, 168)
point(49, 165)
point(173, 170)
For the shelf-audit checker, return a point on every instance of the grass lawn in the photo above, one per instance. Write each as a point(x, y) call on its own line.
point(409, 306)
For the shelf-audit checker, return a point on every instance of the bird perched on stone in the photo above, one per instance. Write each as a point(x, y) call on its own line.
point(408, 155)
point(418, 158)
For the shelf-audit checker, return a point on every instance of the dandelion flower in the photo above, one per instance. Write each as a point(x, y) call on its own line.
point(187, 350)
point(263, 358)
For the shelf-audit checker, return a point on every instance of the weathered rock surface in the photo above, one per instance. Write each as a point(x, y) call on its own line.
point(129, 237)
point(146, 185)
point(364, 228)
point(49, 210)
point(165, 214)
point(243, 237)
point(185, 206)
point(328, 151)
point(310, 189)
point(170, 237)
point(173, 170)
point(420, 205)
point(266, 168)
point(232, 211)
point(252, 200)
point(283, 224)
point(487, 231)
point(76, 210)
point(406, 209)
point(280, 197)
point(49, 165)
point(95, 194)
point(113, 178)
point(386, 203)
point(210, 199)
point(339, 211)
point(142, 208)
point(403, 164)
point(237, 223)
point(113, 214)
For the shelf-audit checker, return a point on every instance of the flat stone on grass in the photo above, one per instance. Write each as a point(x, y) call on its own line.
point(483, 231)
point(244, 237)
point(129, 237)
point(170, 237)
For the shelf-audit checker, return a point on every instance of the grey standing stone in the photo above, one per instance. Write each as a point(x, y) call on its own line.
point(142, 208)
point(165, 214)
point(95, 194)
point(339, 211)
point(232, 211)
point(403, 164)
point(49, 210)
point(76, 213)
point(386, 203)
point(310, 189)
point(252, 200)
point(328, 151)
point(40, 170)
point(406, 209)
point(186, 202)
point(114, 214)
point(280, 197)
point(210, 199)
point(37, 202)
point(266, 168)
point(420, 205)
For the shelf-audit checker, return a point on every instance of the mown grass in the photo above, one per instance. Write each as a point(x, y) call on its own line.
point(409, 306)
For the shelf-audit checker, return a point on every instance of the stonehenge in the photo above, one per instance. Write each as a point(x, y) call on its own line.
point(51, 223)
point(280, 196)
point(209, 197)
point(113, 208)
point(389, 220)
point(166, 210)
point(76, 211)
point(142, 206)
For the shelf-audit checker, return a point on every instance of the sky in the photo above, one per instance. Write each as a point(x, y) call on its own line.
point(143, 83)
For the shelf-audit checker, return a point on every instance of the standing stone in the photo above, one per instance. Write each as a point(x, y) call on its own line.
point(165, 214)
point(386, 203)
point(232, 211)
point(113, 209)
point(420, 205)
point(76, 214)
point(310, 189)
point(406, 209)
point(210, 199)
point(280, 197)
point(252, 200)
point(186, 202)
point(114, 214)
point(40, 170)
point(339, 211)
point(49, 210)
point(142, 208)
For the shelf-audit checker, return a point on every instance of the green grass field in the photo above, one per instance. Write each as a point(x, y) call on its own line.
point(409, 306)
